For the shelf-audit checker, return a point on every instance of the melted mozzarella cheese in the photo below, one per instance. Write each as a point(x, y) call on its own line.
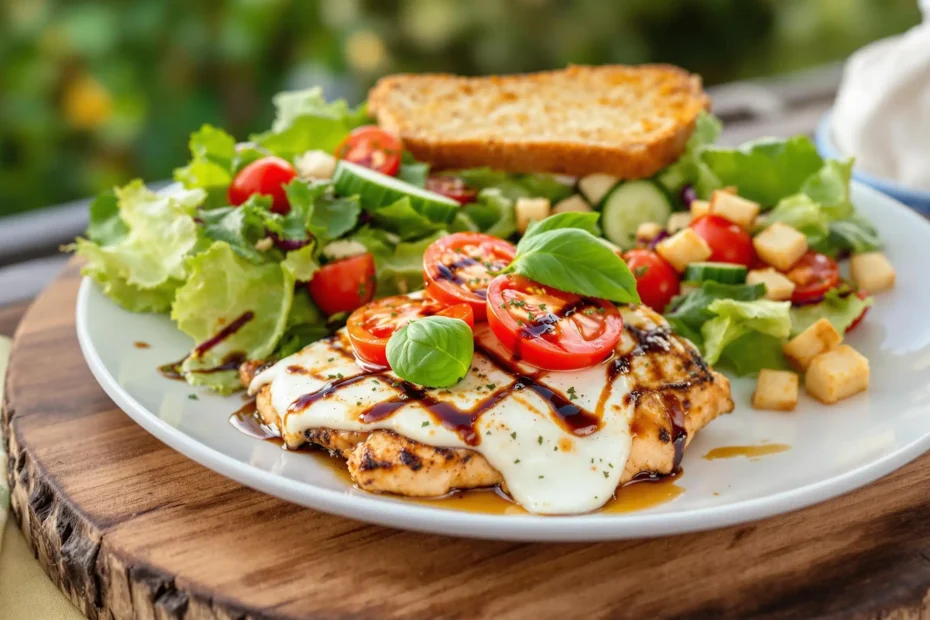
point(547, 468)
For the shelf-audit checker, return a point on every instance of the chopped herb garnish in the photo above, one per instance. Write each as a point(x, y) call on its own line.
point(193, 397)
point(606, 474)
point(491, 386)
point(339, 374)
point(639, 272)
point(513, 435)
point(331, 360)
point(571, 393)
point(488, 433)
point(539, 441)
point(425, 424)
point(542, 307)
point(541, 477)
point(516, 461)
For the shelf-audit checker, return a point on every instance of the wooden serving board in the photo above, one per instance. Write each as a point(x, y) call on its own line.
point(128, 528)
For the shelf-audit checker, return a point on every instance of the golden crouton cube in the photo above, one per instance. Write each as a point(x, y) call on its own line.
point(837, 374)
point(647, 231)
point(872, 271)
point(699, 208)
point(529, 210)
point(777, 286)
point(738, 210)
point(780, 245)
point(776, 390)
point(677, 221)
point(816, 339)
point(682, 248)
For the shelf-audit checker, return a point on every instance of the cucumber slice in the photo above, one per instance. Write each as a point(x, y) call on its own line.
point(725, 273)
point(376, 190)
point(629, 205)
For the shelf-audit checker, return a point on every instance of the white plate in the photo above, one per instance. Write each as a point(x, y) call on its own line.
point(833, 449)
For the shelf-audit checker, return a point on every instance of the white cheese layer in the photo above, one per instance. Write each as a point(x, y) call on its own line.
point(548, 468)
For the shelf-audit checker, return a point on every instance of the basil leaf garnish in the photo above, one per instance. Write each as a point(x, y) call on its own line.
point(574, 219)
point(435, 351)
point(573, 260)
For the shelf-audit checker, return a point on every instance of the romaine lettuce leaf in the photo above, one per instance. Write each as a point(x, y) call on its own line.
point(733, 319)
point(840, 309)
point(765, 170)
point(515, 186)
point(689, 169)
point(223, 288)
point(146, 254)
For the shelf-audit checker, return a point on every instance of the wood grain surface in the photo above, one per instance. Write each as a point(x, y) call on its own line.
point(128, 528)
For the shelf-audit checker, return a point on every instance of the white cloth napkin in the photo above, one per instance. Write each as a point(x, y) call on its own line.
point(882, 111)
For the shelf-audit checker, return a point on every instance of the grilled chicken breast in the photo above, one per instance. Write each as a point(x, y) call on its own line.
point(651, 398)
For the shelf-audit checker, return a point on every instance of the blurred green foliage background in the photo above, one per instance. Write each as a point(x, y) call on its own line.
point(94, 93)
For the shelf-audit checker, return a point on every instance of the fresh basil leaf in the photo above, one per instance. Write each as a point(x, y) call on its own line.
point(435, 351)
point(582, 221)
point(573, 260)
point(106, 227)
point(402, 219)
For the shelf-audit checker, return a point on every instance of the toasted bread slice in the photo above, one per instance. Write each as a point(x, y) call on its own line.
point(626, 121)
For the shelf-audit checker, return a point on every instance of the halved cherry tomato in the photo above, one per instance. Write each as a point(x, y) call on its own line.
point(728, 242)
point(344, 285)
point(458, 267)
point(656, 280)
point(267, 176)
point(451, 187)
point(549, 328)
point(855, 324)
point(813, 275)
point(462, 312)
point(372, 147)
point(371, 326)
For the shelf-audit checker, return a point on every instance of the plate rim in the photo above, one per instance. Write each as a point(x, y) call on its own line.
point(529, 528)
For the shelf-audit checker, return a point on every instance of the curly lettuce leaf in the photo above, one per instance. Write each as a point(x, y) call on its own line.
point(316, 211)
point(687, 313)
point(765, 170)
point(147, 255)
point(829, 187)
point(514, 186)
point(105, 226)
point(689, 169)
point(804, 214)
point(839, 307)
point(733, 319)
point(243, 228)
point(223, 289)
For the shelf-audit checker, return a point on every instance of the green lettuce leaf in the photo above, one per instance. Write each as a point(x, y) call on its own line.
point(305, 121)
point(689, 169)
point(399, 265)
point(224, 288)
point(147, 254)
point(515, 186)
point(212, 165)
point(492, 213)
point(838, 308)
point(305, 325)
point(803, 213)
point(317, 211)
point(854, 234)
point(752, 352)
point(301, 264)
point(687, 313)
point(403, 220)
point(765, 170)
point(105, 226)
point(829, 187)
point(243, 228)
point(462, 223)
point(733, 319)
point(413, 171)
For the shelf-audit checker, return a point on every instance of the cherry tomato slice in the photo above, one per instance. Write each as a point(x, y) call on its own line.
point(813, 275)
point(371, 326)
point(266, 176)
point(451, 187)
point(551, 329)
point(458, 267)
point(728, 242)
point(861, 295)
point(344, 285)
point(372, 147)
point(462, 312)
point(656, 280)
